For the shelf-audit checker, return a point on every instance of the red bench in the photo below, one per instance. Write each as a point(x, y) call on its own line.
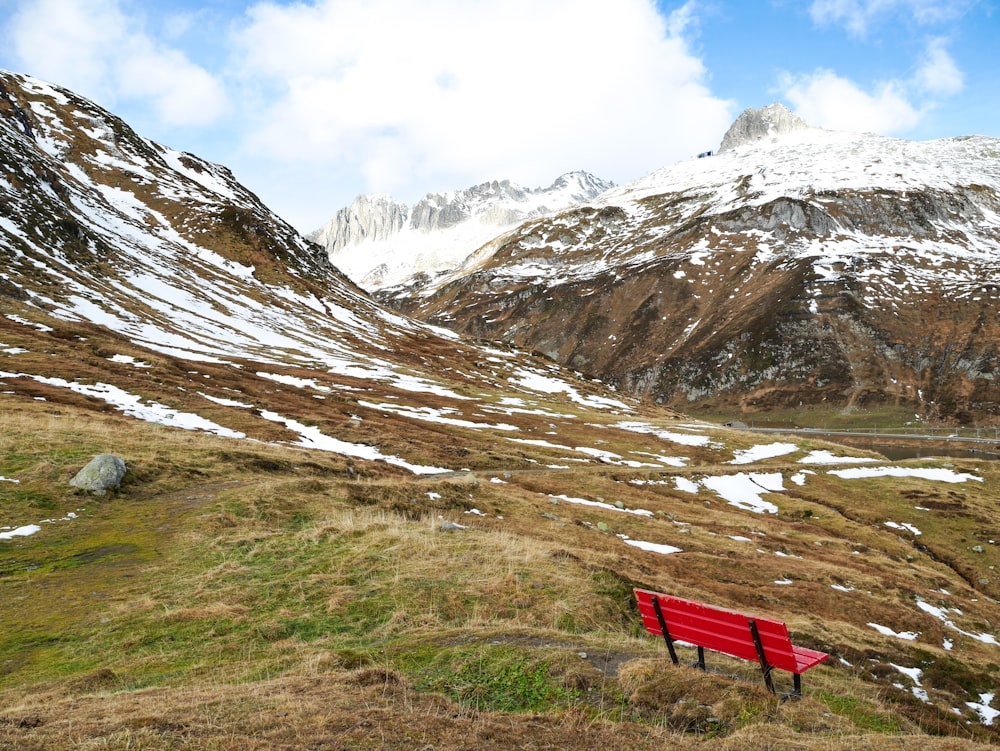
point(764, 640)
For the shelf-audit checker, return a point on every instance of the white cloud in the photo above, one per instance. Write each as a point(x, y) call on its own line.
point(94, 48)
point(939, 74)
point(824, 99)
point(827, 100)
point(858, 16)
point(438, 94)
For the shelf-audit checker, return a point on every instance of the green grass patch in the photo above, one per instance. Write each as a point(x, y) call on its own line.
point(863, 714)
point(498, 678)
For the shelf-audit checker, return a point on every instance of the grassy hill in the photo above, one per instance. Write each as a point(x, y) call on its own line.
point(235, 594)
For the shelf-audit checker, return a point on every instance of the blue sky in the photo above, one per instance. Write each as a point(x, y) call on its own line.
point(316, 101)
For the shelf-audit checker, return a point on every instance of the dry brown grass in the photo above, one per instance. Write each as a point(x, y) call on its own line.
point(276, 600)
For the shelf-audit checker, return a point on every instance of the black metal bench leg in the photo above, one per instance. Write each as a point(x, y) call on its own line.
point(764, 665)
point(796, 692)
point(701, 659)
point(666, 632)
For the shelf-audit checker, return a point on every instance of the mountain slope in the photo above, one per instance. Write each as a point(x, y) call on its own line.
point(379, 242)
point(801, 266)
point(118, 247)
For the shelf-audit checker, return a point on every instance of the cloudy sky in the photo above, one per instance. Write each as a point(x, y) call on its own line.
point(316, 101)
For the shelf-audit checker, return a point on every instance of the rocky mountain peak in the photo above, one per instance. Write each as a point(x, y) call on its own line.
point(368, 218)
point(378, 242)
point(755, 124)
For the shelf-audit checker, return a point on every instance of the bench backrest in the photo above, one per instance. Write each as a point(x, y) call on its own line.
point(718, 629)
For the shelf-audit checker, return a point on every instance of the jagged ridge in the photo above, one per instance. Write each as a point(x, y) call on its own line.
point(379, 242)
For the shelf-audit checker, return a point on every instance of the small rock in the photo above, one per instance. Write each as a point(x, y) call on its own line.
point(603, 527)
point(984, 581)
point(619, 504)
point(466, 479)
point(977, 548)
point(103, 472)
point(553, 517)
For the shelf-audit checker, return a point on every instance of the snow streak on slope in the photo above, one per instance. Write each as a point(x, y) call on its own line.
point(168, 284)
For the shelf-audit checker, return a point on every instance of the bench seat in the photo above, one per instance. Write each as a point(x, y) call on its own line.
point(754, 638)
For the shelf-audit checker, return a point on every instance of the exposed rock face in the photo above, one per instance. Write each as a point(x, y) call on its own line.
point(846, 269)
point(104, 472)
point(379, 242)
point(755, 124)
point(368, 218)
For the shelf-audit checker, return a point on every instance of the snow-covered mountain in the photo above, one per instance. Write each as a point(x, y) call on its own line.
point(379, 242)
point(796, 265)
point(137, 278)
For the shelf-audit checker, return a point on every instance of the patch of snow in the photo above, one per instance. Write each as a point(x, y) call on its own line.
point(986, 713)
point(9, 479)
point(886, 631)
point(915, 675)
point(686, 485)
point(544, 384)
point(666, 461)
point(311, 437)
point(418, 385)
point(226, 402)
point(133, 405)
point(539, 442)
point(908, 527)
point(429, 414)
point(129, 360)
point(922, 473)
point(942, 615)
point(601, 504)
point(25, 531)
point(26, 322)
point(761, 452)
point(652, 547)
point(684, 439)
point(288, 380)
point(745, 490)
point(828, 457)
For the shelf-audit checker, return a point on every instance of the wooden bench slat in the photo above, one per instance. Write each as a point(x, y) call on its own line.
point(808, 658)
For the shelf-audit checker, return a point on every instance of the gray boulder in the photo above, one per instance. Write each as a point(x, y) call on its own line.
point(101, 473)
